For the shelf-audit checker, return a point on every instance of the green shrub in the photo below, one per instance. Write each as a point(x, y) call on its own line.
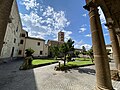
point(68, 57)
point(29, 52)
point(66, 67)
point(27, 64)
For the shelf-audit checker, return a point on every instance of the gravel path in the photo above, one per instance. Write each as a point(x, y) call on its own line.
point(46, 78)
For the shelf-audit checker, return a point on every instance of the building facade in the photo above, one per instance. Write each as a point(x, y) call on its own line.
point(59, 42)
point(52, 43)
point(12, 36)
point(38, 45)
point(22, 43)
point(109, 48)
point(16, 39)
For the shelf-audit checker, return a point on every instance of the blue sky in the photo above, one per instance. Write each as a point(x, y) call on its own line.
point(45, 18)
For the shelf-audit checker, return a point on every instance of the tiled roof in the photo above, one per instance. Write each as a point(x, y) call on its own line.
point(35, 38)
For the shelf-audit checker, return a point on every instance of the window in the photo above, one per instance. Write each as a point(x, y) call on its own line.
point(20, 52)
point(62, 38)
point(38, 43)
point(41, 52)
point(22, 35)
point(21, 41)
point(17, 29)
point(14, 40)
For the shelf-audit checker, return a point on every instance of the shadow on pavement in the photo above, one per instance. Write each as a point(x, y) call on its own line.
point(11, 78)
point(66, 71)
point(86, 70)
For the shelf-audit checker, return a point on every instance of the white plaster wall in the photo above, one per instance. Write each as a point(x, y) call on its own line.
point(111, 51)
point(32, 43)
point(110, 48)
point(45, 50)
point(22, 46)
point(12, 33)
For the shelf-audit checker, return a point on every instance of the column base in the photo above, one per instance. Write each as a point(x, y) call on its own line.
point(101, 88)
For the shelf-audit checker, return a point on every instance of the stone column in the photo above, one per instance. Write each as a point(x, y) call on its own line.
point(118, 36)
point(5, 8)
point(103, 76)
point(115, 44)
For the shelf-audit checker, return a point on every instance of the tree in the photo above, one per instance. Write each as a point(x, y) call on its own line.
point(55, 51)
point(90, 53)
point(70, 44)
point(66, 47)
point(76, 53)
point(70, 49)
point(83, 51)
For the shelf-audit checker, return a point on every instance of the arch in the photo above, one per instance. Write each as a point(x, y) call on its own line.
point(113, 25)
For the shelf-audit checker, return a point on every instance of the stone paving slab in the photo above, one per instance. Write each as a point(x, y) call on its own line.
point(46, 78)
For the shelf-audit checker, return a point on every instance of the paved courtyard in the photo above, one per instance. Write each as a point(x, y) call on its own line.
point(45, 78)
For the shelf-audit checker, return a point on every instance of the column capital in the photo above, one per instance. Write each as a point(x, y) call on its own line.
point(117, 31)
point(109, 25)
point(90, 4)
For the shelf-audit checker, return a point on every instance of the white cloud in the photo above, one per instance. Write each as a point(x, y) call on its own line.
point(87, 46)
point(49, 23)
point(84, 15)
point(78, 44)
point(84, 25)
point(48, 11)
point(82, 29)
point(30, 4)
point(106, 34)
point(88, 35)
point(81, 43)
point(102, 17)
point(105, 27)
point(67, 35)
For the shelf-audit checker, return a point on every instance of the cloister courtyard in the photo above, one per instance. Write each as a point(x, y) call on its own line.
point(81, 78)
point(46, 78)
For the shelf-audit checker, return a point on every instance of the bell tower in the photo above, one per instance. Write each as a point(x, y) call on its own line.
point(61, 36)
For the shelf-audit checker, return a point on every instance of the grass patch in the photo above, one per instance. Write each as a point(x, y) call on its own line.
point(27, 64)
point(78, 63)
point(42, 61)
point(74, 64)
point(84, 59)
